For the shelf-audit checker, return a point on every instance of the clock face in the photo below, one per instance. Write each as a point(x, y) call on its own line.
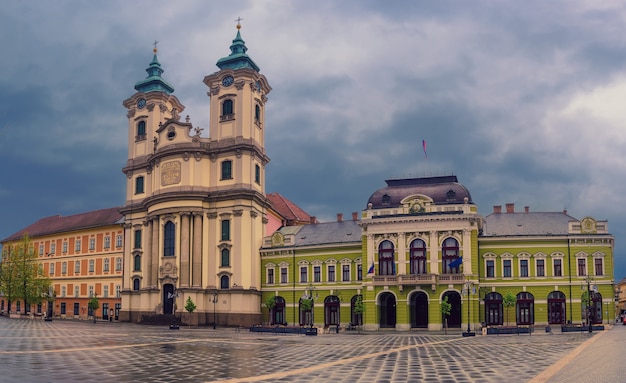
point(228, 81)
point(141, 103)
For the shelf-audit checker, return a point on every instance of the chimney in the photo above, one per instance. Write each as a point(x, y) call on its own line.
point(497, 209)
point(510, 208)
point(313, 220)
point(526, 209)
point(355, 216)
point(339, 217)
point(565, 211)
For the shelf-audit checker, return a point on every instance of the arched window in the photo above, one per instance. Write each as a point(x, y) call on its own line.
point(224, 282)
point(418, 257)
point(450, 196)
point(137, 263)
point(169, 237)
point(493, 309)
point(450, 253)
point(386, 264)
point(556, 308)
point(136, 284)
point(386, 199)
point(257, 114)
point(141, 130)
point(257, 174)
point(225, 257)
point(227, 169)
point(356, 310)
point(331, 310)
point(227, 110)
point(525, 307)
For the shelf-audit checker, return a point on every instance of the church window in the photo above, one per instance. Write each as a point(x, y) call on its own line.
point(227, 169)
point(141, 131)
point(224, 282)
point(168, 239)
point(137, 239)
point(137, 263)
point(225, 258)
point(257, 174)
point(136, 284)
point(225, 230)
point(139, 185)
point(257, 114)
point(227, 111)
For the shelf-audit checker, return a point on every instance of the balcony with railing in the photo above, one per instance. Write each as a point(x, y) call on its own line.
point(416, 279)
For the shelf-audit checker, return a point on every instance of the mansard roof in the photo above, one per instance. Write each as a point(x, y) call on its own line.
point(59, 224)
point(441, 189)
point(527, 223)
point(319, 234)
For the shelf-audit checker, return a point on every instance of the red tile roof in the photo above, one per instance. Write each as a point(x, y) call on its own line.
point(59, 224)
point(288, 210)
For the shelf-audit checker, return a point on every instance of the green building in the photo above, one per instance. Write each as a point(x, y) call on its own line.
point(421, 241)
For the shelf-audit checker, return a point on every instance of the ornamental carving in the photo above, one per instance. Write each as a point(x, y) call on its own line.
point(170, 173)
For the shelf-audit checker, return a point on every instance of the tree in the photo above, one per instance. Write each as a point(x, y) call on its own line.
point(306, 305)
point(22, 276)
point(190, 307)
point(359, 308)
point(446, 308)
point(93, 306)
point(508, 301)
point(270, 303)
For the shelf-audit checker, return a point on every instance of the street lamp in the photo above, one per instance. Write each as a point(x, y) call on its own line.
point(214, 302)
point(468, 287)
point(589, 301)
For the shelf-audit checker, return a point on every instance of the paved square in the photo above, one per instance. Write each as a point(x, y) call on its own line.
point(77, 351)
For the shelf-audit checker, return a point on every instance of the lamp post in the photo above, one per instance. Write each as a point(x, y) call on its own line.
point(214, 313)
point(588, 302)
point(468, 286)
point(308, 294)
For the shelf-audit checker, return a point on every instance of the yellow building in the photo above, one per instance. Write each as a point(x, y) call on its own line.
point(82, 256)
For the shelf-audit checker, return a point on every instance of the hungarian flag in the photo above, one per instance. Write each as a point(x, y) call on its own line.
point(424, 147)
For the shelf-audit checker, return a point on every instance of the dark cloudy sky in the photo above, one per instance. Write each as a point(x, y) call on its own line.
point(522, 100)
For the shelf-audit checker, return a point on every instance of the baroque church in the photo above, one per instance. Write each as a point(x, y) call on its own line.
point(198, 225)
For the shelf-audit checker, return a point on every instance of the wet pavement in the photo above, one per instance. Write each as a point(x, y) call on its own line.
point(80, 351)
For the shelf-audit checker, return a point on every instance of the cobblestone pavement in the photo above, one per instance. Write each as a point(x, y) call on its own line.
point(75, 351)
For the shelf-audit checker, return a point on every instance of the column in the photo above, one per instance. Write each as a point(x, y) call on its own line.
point(147, 254)
point(467, 252)
point(433, 248)
point(184, 248)
point(196, 253)
point(154, 267)
point(401, 268)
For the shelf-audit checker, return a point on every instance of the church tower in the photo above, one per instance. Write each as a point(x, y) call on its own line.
point(195, 207)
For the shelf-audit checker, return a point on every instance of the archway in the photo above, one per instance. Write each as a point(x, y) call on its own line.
point(419, 310)
point(331, 310)
point(556, 308)
point(387, 310)
point(525, 309)
point(454, 298)
point(493, 309)
point(168, 299)
point(278, 311)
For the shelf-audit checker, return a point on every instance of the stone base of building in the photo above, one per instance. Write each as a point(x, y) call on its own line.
point(193, 319)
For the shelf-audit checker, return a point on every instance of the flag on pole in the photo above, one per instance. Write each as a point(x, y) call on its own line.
point(424, 147)
point(456, 263)
point(371, 269)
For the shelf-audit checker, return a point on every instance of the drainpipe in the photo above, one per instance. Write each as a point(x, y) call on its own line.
point(569, 267)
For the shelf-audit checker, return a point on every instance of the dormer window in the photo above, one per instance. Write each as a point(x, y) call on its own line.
point(386, 199)
point(450, 196)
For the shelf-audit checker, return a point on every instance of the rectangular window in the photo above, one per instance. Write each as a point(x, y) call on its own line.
point(52, 268)
point(227, 170)
point(138, 185)
point(91, 290)
point(303, 274)
point(283, 275)
point(359, 272)
point(541, 268)
point(598, 266)
point(558, 269)
point(137, 239)
point(506, 268)
point(257, 174)
point(118, 291)
point(106, 264)
point(63, 291)
point(105, 291)
point(41, 249)
point(345, 273)
point(92, 243)
point(270, 276)
point(523, 268)
point(118, 241)
point(491, 270)
point(225, 230)
point(76, 308)
point(64, 268)
point(77, 246)
point(92, 265)
point(331, 273)
point(76, 291)
point(582, 269)
point(64, 247)
point(118, 264)
point(317, 274)
point(63, 308)
point(77, 267)
point(107, 242)
point(53, 248)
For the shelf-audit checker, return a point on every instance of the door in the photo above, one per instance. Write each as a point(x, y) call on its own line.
point(168, 299)
point(387, 308)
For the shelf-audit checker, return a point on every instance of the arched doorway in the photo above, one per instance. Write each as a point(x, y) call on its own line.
point(595, 311)
point(419, 310)
point(556, 308)
point(493, 309)
point(168, 299)
point(331, 310)
point(525, 312)
point(387, 310)
point(356, 318)
point(454, 298)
